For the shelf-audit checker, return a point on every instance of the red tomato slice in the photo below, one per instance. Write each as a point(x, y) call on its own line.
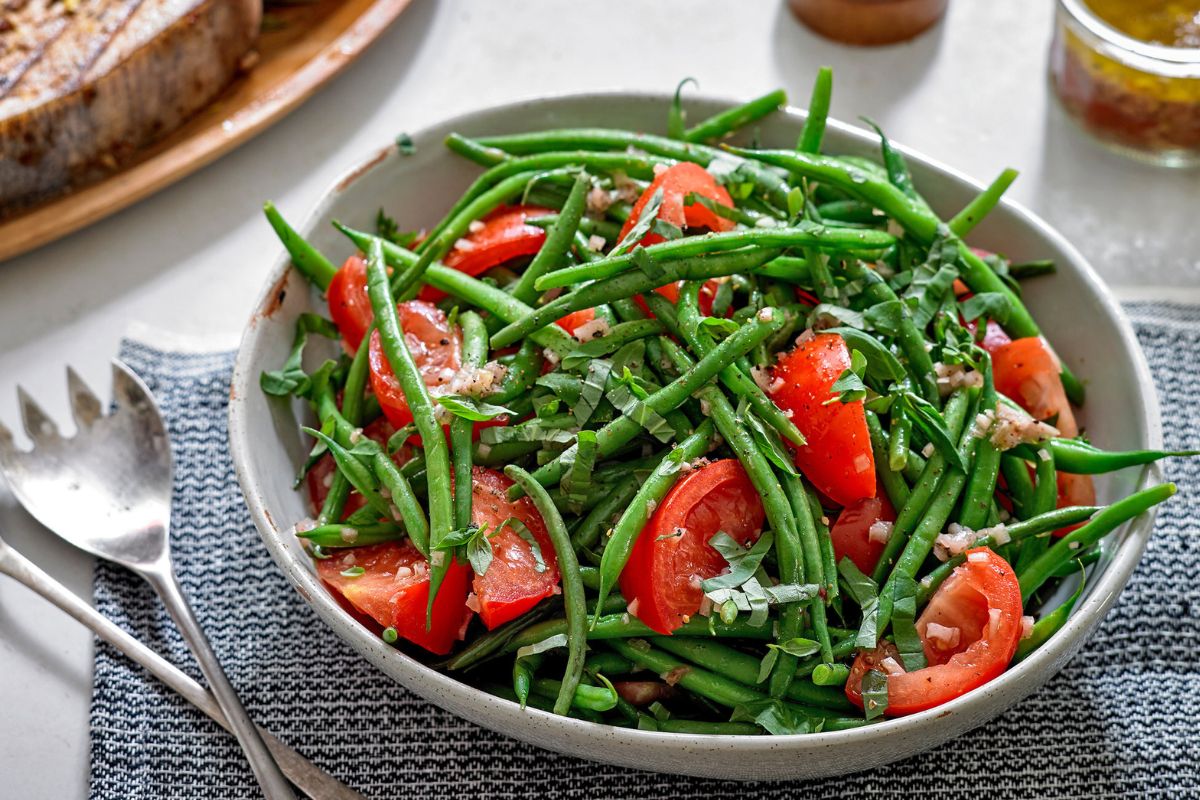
point(678, 182)
point(511, 585)
point(851, 532)
point(672, 555)
point(1026, 371)
point(503, 237)
point(981, 600)
point(436, 350)
point(320, 477)
point(994, 336)
point(837, 458)
point(393, 590)
point(349, 305)
point(576, 320)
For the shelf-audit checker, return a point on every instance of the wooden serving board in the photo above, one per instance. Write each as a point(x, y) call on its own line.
point(302, 46)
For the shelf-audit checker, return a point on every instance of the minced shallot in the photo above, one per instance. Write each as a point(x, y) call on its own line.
point(946, 637)
point(955, 541)
point(880, 531)
point(1013, 427)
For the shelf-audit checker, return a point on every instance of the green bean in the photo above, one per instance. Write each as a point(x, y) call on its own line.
point(1081, 458)
point(818, 112)
point(767, 182)
point(489, 298)
point(343, 535)
point(919, 545)
point(717, 688)
point(894, 485)
point(405, 281)
point(351, 414)
point(732, 376)
point(628, 284)
point(592, 698)
point(624, 626)
point(520, 373)
point(523, 670)
point(743, 668)
point(842, 648)
point(1045, 498)
point(1017, 533)
point(587, 226)
point(573, 593)
point(918, 222)
point(787, 268)
point(1096, 529)
point(650, 494)
point(801, 234)
point(558, 241)
point(695, 727)
point(621, 430)
point(609, 664)
point(780, 516)
point(474, 354)
point(910, 512)
point(307, 259)
point(1031, 269)
point(604, 513)
point(474, 151)
point(898, 440)
point(1020, 485)
point(849, 211)
point(965, 221)
point(726, 122)
point(361, 478)
point(981, 488)
point(404, 499)
point(437, 456)
point(908, 335)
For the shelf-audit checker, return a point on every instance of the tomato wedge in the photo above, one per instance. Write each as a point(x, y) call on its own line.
point(677, 182)
point(320, 477)
point(1074, 490)
point(977, 612)
point(436, 350)
point(672, 555)
point(837, 458)
point(851, 533)
point(393, 590)
point(349, 306)
point(576, 320)
point(994, 336)
point(504, 236)
point(1026, 371)
point(512, 583)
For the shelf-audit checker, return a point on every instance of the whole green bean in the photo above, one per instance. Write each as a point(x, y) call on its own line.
point(981, 488)
point(1017, 532)
point(801, 234)
point(343, 535)
point(404, 499)
point(965, 221)
point(726, 122)
point(604, 514)
point(558, 241)
point(901, 430)
point(1097, 528)
point(818, 112)
point(626, 626)
point(307, 259)
point(1081, 458)
point(573, 593)
point(894, 485)
point(1020, 485)
point(474, 354)
point(433, 440)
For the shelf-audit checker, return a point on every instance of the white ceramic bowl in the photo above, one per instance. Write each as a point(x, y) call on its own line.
point(1077, 312)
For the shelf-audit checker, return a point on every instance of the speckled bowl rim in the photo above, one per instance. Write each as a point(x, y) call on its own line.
point(570, 735)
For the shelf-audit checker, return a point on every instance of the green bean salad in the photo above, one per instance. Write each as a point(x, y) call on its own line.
point(667, 433)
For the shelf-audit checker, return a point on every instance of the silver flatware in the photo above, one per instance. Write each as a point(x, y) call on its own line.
point(307, 776)
point(107, 490)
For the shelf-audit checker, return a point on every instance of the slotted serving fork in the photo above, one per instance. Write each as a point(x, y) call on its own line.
point(107, 490)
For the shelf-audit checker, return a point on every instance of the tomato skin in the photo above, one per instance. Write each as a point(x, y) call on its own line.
point(837, 457)
point(967, 600)
point(851, 532)
point(436, 350)
point(393, 590)
point(1026, 371)
point(576, 320)
point(1074, 490)
point(349, 305)
point(511, 585)
point(658, 578)
point(994, 336)
point(504, 236)
point(677, 182)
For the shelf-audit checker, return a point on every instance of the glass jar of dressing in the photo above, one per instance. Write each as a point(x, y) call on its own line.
point(1129, 72)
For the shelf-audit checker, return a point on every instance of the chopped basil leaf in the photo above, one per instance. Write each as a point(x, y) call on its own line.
point(472, 408)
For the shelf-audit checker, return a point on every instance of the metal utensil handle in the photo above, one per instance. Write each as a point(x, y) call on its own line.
point(303, 773)
point(270, 779)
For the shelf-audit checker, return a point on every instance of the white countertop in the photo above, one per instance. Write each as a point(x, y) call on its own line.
point(972, 93)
